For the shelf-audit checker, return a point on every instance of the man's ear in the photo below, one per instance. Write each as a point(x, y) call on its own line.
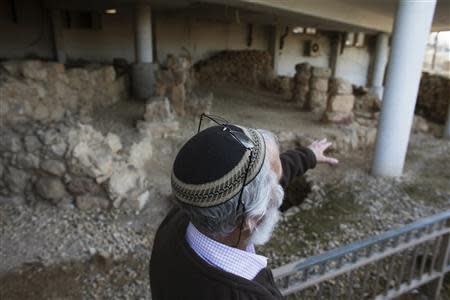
point(251, 223)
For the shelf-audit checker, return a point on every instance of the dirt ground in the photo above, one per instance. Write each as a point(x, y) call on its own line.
point(109, 251)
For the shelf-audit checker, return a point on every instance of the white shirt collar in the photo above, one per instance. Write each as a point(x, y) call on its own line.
point(245, 264)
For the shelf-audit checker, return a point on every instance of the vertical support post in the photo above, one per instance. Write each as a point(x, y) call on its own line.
point(58, 36)
point(446, 133)
point(274, 46)
point(335, 49)
point(143, 33)
point(411, 28)
point(381, 58)
point(435, 46)
point(143, 70)
point(441, 263)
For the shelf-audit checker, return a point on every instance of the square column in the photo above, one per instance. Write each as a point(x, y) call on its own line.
point(274, 46)
point(411, 28)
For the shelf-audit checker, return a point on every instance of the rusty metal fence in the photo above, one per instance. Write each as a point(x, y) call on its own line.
point(382, 267)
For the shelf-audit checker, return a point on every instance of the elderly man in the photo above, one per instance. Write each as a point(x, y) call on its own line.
point(228, 184)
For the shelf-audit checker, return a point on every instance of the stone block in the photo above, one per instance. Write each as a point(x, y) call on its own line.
point(158, 109)
point(303, 68)
point(321, 72)
point(82, 185)
point(53, 167)
point(341, 103)
point(317, 101)
point(319, 84)
point(87, 202)
point(340, 86)
point(302, 79)
point(180, 76)
point(51, 188)
point(10, 142)
point(16, 179)
point(337, 117)
point(34, 69)
point(177, 96)
point(27, 161)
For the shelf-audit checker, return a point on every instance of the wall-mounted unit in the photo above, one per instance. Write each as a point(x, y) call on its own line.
point(311, 48)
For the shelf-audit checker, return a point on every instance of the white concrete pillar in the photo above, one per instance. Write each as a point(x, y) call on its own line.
point(411, 28)
point(380, 61)
point(447, 124)
point(58, 37)
point(143, 33)
point(143, 70)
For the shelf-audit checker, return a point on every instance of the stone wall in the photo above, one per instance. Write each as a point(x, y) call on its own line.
point(67, 163)
point(434, 97)
point(247, 67)
point(34, 90)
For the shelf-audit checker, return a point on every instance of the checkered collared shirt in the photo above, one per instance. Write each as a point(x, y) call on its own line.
point(245, 264)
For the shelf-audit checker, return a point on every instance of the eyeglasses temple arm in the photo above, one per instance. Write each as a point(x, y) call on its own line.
point(200, 123)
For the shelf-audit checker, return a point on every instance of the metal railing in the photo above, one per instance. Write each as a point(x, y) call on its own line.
point(381, 267)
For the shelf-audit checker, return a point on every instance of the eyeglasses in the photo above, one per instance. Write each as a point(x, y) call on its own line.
point(245, 142)
point(239, 136)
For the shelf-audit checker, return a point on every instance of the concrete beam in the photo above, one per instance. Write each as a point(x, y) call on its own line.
point(402, 85)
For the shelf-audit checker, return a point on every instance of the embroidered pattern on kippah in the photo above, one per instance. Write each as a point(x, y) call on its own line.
point(221, 190)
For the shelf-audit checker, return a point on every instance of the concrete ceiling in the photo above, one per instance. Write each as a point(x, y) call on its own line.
point(340, 15)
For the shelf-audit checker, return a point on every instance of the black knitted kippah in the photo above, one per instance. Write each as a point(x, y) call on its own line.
point(210, 168)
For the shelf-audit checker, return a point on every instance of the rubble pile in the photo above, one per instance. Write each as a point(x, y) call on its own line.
point(175, 80)
point(247, 67)
point(300, 90)
point(434, 97)
point(340, 102)
point(34, 90)
point(316, 100)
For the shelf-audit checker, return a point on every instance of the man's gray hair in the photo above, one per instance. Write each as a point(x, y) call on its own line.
point(222, 219)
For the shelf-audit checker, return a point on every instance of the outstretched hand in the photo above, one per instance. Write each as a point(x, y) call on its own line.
point(318, 147)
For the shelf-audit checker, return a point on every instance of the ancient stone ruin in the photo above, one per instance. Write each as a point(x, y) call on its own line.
point(44, 91)
point(50, 150)
point(310, 87)
point(340, 102)
point(247, 67)
point(434, 97)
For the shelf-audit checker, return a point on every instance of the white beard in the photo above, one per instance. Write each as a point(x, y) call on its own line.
point(263, 231)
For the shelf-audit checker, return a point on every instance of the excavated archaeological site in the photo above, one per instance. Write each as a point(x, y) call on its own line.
point(85, 168)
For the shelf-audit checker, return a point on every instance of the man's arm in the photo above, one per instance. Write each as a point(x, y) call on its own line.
point(296, 162)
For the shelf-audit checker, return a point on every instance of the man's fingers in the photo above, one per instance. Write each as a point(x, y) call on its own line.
point(330, 160)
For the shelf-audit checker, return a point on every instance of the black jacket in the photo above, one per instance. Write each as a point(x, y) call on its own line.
point(177, 272)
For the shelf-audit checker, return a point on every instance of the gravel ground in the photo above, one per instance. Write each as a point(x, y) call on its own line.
point(50, 253)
